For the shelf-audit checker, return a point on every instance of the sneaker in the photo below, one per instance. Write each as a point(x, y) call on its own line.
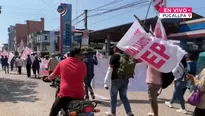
point(168, 104)
point(109, 114)
point(182, 111)
point(150, 114)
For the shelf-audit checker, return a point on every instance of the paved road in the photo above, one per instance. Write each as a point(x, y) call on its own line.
point(21, 96)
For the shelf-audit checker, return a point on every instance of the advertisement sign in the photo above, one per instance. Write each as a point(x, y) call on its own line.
point(65, 41)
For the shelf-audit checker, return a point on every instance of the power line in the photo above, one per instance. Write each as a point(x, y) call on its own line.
point(121, 7)
point(108, 4)
point(113, 16)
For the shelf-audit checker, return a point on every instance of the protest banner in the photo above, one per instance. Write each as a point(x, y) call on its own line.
point(10, 57)
point(43, 68)
point(136, 84)
point(27, 51)
point(159, 54)
point(5, 53)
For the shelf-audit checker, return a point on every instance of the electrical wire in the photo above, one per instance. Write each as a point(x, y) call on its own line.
point(114, 16)
point(108, 4)
point(130, 5)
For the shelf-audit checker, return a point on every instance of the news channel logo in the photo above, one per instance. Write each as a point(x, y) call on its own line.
point(175, 12)
point(62, 9)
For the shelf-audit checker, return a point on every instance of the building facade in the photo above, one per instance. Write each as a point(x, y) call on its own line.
point(24, 30)
point(11, 35)
point(44, 41)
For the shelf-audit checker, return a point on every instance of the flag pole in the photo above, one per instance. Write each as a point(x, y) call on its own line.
point(147, 12)
point(143, 25)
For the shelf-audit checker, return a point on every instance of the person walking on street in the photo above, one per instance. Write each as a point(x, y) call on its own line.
point(2, 58)
point(6, 64)
point(154, 83)
point(52, 63)
point(117, 85)
point(180, 84)
point(28, 66)
point(19, 64)
point(90, 60)
point(12, 63)
point(36, 66)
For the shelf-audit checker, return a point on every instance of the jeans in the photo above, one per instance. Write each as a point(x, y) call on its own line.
point(6, 68)
point(19, 69)
point(179, 93)
point(88, 87)
point(121, 86)
point(28, 70)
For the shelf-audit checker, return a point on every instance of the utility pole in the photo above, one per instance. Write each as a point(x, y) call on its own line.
point(86, 19)
point(0, 9)
point(85, 23)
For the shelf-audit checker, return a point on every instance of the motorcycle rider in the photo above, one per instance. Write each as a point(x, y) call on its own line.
point(72, 72)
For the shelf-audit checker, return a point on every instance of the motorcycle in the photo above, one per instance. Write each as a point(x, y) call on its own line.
point(76, 107)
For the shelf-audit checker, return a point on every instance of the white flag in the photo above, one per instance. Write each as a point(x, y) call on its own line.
point(159, 30)
point(159, 54)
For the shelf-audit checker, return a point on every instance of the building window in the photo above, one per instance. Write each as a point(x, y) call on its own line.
point(46, 37)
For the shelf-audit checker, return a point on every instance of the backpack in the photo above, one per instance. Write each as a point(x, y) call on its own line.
point(167, 79)
point(126, 69)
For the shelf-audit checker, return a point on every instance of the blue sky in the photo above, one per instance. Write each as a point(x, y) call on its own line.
point(18, 11)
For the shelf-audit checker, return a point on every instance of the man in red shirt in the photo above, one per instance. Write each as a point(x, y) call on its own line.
point(72, 72)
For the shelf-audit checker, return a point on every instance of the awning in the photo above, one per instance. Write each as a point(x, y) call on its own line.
point(187, 35)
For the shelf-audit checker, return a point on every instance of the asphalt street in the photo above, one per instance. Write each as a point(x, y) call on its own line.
point(22, 96)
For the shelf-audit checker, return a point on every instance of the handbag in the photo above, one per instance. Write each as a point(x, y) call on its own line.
point(195, 97)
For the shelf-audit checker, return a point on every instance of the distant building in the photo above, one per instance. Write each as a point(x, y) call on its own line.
point(5, 47)
point(11, 34)
point(44, 42)
point(23, 30)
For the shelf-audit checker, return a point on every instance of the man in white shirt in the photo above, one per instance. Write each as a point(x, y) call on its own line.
point(19, 63)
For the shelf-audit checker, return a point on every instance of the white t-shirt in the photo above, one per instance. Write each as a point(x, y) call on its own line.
point(178, 71)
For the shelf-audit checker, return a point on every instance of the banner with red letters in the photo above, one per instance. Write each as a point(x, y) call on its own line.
point(157, 53)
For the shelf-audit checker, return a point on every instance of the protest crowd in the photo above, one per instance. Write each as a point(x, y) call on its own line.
point(119, 70)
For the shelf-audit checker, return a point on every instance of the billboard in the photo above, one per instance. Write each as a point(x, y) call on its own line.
point(65, 41)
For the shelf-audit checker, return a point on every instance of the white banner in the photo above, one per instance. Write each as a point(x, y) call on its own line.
point(27, 51)
point(159, 30)
point(10, 57)
point(136, 84)
point(156, 53)
point(43, 67)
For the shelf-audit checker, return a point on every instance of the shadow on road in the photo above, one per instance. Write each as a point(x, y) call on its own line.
point(17, 91)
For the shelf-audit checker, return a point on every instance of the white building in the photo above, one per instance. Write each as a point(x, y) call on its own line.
point(44, 42)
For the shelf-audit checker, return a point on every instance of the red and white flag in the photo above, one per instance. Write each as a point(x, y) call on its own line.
point(98, 54)
point(26, 52)
point(157, 4)
point(10, 57)
point(5, 53)
point(21, 46)
point(159, 30)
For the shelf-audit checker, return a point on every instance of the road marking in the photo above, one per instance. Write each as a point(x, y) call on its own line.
point(102, 97)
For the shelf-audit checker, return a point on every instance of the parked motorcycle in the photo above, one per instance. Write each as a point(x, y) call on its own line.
point(76, 107)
